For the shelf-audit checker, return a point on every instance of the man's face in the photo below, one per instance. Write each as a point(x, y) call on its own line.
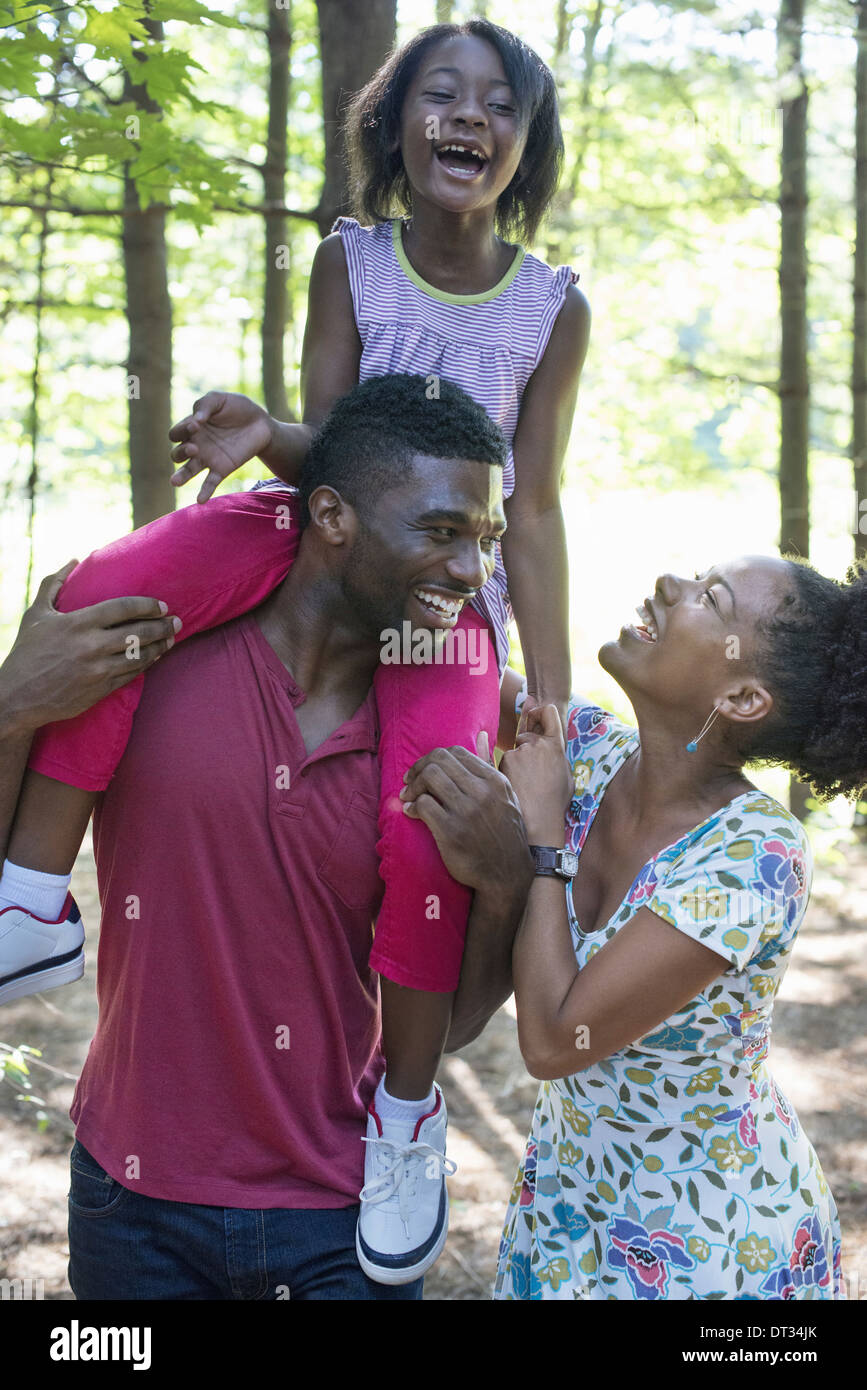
point(428, 546)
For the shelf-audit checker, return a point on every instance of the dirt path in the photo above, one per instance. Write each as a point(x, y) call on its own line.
point(819, 1056)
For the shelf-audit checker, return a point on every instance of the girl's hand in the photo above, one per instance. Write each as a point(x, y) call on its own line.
point(540, 774)
point(224, 431)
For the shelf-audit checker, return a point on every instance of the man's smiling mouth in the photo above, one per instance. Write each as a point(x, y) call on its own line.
point(439, 604)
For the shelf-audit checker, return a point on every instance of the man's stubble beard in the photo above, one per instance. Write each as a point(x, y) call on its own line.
point(374, 604)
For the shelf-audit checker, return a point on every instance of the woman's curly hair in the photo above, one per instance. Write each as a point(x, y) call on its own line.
point(813, 656)
point(377, 177)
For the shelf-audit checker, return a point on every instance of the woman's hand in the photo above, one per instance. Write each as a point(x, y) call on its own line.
point(224, 431)
point(539, 772)
point(474, 817)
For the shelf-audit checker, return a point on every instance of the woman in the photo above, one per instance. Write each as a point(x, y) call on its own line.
point(663, 1161)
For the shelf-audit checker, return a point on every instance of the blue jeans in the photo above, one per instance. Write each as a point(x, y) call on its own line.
point(123, 1245)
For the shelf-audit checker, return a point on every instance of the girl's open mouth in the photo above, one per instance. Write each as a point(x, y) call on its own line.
point(461, 160)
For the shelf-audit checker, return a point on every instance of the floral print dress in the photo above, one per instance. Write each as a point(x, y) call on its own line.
point(676, 1168)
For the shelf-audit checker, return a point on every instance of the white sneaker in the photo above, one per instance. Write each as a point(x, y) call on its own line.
point(36, 954)
point(404, 1215)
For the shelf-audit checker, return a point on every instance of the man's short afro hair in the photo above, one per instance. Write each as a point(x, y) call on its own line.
point(369, 438)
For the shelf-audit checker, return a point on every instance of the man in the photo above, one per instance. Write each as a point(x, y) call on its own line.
point(220, 1111)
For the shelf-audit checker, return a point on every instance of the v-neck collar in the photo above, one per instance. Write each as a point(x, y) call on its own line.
point(359, 732)
point(632, 744)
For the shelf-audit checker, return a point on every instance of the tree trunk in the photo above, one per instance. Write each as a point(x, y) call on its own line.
point(149, 314)
point(275, 314)
point(564, 28)
point(859, 297)
point(794, 385)
point(794, 381)
point(354, 41)
point(444, 11)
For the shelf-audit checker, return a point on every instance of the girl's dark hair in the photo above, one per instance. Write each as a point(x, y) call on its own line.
point(378, 180)
point(813, 656)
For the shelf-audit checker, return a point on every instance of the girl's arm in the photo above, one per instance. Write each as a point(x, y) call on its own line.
point(226, 430)
point(646, 972)
point(534, 546)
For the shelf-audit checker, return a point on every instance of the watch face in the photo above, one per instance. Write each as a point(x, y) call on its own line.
point(570, 863)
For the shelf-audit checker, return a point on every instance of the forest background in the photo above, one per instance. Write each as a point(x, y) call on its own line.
point(166, 170)
point(167, 167)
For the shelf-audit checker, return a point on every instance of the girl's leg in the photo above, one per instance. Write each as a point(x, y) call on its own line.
point(41, 934)
point(49, 824)
point(208, 564)
point(417, 949)
point(415, 1025)
point(418, 946)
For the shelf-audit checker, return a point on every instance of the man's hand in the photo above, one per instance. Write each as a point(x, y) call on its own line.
point(62, 663)
point(474, 816)
point(539, 772)
point(224, 431)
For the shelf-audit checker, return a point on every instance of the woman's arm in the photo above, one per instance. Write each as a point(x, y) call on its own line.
point(226, 430)
point(569, 1019)
point(534, 546)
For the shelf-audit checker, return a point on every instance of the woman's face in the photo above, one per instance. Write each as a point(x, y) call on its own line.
point(697, 646)
point(460, 97)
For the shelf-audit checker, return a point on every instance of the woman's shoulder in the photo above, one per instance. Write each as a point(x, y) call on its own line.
point(589, 724)
point(748, 824)
point(740, 881)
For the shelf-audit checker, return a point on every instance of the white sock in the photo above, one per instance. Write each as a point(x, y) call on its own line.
point(391, 1110)
point(39, 893)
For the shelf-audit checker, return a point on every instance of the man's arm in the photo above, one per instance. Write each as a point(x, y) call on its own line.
point(61, 664)
point(486, 973)
point(473, 815)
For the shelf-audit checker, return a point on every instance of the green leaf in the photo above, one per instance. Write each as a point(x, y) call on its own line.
point(692, 1194)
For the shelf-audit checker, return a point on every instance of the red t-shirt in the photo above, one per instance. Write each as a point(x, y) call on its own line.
point(237, 1047)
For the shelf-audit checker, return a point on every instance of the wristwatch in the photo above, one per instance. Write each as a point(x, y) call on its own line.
point(554, 863)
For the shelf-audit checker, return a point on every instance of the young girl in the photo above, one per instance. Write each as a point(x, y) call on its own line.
point(459, 129)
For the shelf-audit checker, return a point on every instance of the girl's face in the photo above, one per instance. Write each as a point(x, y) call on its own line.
point(460, 98)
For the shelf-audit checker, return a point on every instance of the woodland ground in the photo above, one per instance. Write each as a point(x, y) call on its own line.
point(819, 1057)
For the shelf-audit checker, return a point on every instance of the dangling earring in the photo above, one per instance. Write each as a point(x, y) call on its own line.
point(691, 747)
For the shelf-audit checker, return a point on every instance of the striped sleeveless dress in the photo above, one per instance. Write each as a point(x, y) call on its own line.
point(489, 344)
